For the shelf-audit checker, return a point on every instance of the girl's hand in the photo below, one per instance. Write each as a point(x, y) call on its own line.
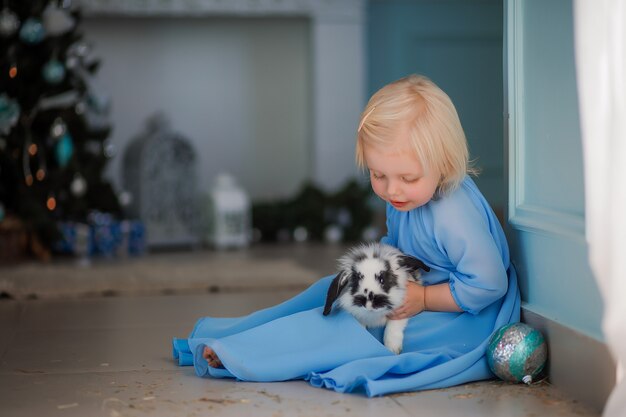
point(413, 302)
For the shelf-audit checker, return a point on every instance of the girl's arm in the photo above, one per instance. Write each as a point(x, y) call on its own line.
point(432, 298)
point(439, 298)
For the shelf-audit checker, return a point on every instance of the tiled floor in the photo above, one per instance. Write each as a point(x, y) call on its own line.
point(110, 356)
point(292, 266)
point(67, 355)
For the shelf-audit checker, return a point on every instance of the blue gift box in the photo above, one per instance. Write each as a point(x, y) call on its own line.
point(67, 243)
point(75, 238)
point(133, 238)
point(136, 238)
point(105, 235)
point(102, 237)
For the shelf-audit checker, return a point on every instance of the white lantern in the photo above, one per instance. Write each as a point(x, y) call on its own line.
point(229, 215)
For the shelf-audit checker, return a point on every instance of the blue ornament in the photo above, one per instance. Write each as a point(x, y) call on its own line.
point(2, 213)
point(53, 72)
point(9, 113)
point(32, 31)
point(64, 150)
point(517, 353)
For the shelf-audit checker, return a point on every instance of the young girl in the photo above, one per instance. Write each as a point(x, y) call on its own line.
point(411, 141)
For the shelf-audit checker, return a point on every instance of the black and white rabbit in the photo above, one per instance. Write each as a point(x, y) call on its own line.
point(371, 283)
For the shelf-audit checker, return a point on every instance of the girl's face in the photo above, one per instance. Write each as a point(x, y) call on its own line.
point(398, 177)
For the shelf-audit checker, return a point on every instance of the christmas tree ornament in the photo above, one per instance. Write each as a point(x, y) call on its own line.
point(78, 185)
point(57, 20)
point(32, 31)
point(2, 212)
point(53, 72)
point(58, 128)
point(64, 149)
point(79, 57)
point(13, 70)
point(9, 113)
point(9, 22)
point(109, 149)
point(517, 353)
point(71, 62)
point(51, 203)
point(125, 198)
point(79, 49)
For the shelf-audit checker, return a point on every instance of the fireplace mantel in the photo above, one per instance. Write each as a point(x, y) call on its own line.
point(345, 10)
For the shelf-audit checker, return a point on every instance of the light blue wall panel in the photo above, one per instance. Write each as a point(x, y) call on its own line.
point(546, 195)
point(551, 110)
point(458, 44)
point(556, 280)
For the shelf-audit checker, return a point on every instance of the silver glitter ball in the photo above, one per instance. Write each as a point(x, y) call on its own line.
point(517, 353)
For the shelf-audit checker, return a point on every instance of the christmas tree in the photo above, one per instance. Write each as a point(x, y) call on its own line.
point(53, 122)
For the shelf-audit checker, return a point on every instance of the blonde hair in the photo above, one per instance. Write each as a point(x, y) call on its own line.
point(435, 131)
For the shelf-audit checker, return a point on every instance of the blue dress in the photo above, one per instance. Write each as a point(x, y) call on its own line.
point(459, 237)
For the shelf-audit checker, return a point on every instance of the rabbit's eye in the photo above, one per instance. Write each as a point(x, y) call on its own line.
point(380, 279)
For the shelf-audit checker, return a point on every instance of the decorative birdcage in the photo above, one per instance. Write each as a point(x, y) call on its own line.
point(160, 174)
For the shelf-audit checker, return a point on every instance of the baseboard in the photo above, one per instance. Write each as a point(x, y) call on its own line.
point(578, 365)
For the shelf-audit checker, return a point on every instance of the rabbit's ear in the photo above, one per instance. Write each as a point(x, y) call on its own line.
point(336, 287)
point(413, 264)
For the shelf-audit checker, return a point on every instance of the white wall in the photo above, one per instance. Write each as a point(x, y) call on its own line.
point(338, 95)
point(238, 88)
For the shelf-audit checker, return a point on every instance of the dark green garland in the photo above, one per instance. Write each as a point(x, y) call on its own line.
point(314, 210)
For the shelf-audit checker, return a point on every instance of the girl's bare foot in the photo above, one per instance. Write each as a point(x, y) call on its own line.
point(211, 357)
